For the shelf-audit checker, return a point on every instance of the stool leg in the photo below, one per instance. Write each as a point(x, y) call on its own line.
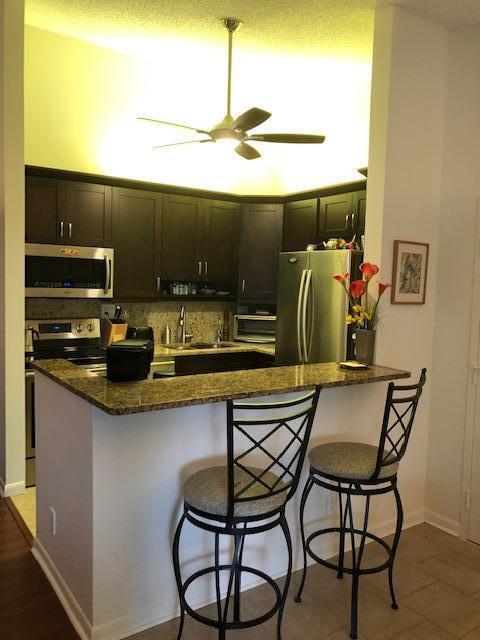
point(396, 540)
point(286, 533)
point(341, 549)
point(217, 578)
point(233, 572)
point(356, 562)
point(238, 582)
point(306, 491)
point(178, 577)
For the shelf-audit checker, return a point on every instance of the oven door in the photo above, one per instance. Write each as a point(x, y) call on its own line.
point(56, 271)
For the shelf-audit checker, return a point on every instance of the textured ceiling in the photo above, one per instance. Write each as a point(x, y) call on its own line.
point(450, 14)
point(342, 27)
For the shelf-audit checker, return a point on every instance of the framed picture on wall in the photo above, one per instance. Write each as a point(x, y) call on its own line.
point(409, 279)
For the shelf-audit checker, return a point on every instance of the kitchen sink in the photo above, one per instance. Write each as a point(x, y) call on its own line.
point(199, 345)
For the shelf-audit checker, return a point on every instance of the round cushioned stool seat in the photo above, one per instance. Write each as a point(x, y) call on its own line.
point(207, 491)
point(348, 460)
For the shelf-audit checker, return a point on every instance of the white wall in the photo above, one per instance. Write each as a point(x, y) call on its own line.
point(404, 186)
point(12, 383)
point(461, 187)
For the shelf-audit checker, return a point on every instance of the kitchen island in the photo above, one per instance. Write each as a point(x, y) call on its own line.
point(111, 462)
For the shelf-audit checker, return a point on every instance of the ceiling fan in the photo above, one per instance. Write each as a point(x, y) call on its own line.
point(237, 129)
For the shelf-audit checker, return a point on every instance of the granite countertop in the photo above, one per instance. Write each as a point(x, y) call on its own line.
point(163, 351)
point(120, 398)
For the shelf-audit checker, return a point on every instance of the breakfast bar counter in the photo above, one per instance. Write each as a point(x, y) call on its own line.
point(120, 398)
point(112, 459)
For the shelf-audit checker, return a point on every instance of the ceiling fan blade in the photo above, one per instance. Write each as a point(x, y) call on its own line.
point(177, 144)
point(296, 138)
point(247, 151)
point(250, 119)
point(171, 124)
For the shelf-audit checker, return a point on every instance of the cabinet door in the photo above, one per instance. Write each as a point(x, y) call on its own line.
point(335, 218)
point(261, 244)
point(182, 233)
point(44, 210)
point(221, 241)
point(359, 210)
point(89, 214)
point(300, 224)
point(136, 240)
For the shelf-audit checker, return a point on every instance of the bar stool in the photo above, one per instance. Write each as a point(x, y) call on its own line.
point(355, 469)
point(266, 448)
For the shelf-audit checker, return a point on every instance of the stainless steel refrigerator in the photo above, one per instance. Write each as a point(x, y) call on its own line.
point(311, 306)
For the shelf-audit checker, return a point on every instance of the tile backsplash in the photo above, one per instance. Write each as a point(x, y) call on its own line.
point(202, 317)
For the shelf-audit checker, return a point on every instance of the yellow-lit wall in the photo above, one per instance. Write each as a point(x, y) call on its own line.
point(82, 101)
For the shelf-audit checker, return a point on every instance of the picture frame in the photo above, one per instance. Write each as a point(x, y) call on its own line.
point(410, 268)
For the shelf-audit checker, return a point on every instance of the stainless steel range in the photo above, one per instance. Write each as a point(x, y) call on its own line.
point(75, 339)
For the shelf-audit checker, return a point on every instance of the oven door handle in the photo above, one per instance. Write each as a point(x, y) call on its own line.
point(107, 274)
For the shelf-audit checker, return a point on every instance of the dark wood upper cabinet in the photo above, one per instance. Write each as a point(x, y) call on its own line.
point(300, 224)
point(88, 215)
point(335, 216)
point(260, 245)
point(182, 235)
point(220, 245)
point(137, 241)
point(359, 207)
point(44, 209)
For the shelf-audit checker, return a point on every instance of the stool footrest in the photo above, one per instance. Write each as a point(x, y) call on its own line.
point(345, 569)
point(214, 622)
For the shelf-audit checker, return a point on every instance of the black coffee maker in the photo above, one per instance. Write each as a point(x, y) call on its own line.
point(129, 360)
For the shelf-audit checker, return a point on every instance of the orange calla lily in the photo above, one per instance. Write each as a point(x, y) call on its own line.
point(357, 288)
point(341, 279)
point(369, 270)
point(382, 286)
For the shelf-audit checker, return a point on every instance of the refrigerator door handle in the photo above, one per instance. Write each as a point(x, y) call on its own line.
point(299, 314)
point(310, 320)
point(306, 294)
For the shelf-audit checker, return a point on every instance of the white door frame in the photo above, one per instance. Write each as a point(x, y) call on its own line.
point(473, 385)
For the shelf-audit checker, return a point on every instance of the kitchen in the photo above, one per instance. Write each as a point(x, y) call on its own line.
point(201, 235)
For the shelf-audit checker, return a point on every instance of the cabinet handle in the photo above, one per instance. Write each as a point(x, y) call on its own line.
point(206, 268)
point(353, 220)
point(61, 228)
point(243, 285)
point(159, 282)
point(199, 268)
point(70, 230)
point(347, 215)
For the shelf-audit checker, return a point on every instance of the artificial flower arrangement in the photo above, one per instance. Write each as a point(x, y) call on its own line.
point(364, 314)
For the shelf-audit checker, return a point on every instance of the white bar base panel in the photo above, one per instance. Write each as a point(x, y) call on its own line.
point(115, 483)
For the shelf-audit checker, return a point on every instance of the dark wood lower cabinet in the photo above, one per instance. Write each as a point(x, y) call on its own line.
point(136, 240)
point(218, 362)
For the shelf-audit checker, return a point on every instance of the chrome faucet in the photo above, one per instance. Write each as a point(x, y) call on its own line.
point(182, 321)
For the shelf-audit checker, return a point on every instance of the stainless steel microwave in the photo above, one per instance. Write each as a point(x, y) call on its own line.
point(57, 271)
point(260, 329)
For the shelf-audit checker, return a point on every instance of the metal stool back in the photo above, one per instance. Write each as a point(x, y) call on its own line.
point(282, 445)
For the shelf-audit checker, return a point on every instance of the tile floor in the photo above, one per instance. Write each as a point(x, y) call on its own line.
point(437, 583)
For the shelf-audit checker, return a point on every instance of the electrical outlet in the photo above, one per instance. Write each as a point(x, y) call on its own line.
point(107, 310)
point(53, 521)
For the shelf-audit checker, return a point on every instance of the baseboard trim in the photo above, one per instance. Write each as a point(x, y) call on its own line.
point(441, 522)
point(11, 488)
point(66, 597)
point(27, 534)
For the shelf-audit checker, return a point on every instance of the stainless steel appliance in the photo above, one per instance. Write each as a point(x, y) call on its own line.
point(57, 271)
point(252, 328)
point(77, 340)
point(311, 306)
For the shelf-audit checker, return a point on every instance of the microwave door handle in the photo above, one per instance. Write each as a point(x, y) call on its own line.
point(107, 274)
point(306, 294)
point(299, 315)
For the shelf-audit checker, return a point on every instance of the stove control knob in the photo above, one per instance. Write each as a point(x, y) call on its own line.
point(90, 327)
point(79, 328)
